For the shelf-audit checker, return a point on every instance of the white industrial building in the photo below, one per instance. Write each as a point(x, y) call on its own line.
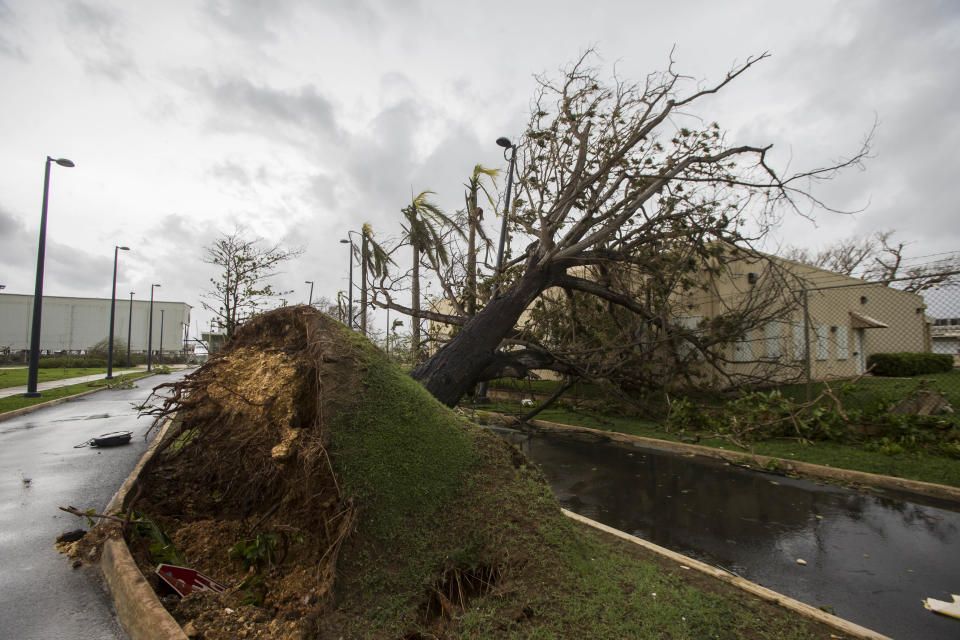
point(74, 325)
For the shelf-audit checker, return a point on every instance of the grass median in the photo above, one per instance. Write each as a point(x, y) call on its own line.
point(18, 377)
point(921, 466)
point(12, 403)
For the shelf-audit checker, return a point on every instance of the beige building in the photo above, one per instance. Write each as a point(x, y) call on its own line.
point(819, 322)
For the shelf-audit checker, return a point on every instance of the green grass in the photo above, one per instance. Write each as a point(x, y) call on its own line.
point(440, 498)
point(18, 377)
point(868, 391)
point(405, 453)
point(559, 578)
point(12, 403)
point(914, 466)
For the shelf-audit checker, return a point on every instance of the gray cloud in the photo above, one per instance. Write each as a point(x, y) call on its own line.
point(249, 20)
point(19, 249)
point(8, 23)
point(93, 34)
point(300, 116)
point(68, 270)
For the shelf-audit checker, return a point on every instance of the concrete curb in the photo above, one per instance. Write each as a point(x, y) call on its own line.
point(782, 466)
point(805, 610)
point(138, 608)
point(50, 403)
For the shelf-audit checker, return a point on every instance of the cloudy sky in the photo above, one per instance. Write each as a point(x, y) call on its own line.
point(301, 119)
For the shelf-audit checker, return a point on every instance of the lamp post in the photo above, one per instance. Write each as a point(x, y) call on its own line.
point(160, 354)
point(349, 241)
point(129, 327)
point(34, 369)
point(310, 300)
point(504, 142)
point(113, 310)
point(150, 331)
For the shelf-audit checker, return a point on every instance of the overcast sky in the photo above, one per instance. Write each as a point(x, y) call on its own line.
point(302, 119)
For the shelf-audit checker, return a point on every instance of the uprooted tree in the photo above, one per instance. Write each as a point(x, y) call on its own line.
point(616, 197)
point(240, 289)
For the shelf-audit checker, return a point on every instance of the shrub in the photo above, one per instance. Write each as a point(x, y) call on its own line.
point(71, 363)
point(909, 364)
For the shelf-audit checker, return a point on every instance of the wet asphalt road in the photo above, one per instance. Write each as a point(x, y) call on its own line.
point(41, 596)
point(871, 557)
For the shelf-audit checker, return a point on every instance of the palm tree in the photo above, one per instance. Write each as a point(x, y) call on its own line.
point(373, 258)
point(474, 216)
point(423, 218)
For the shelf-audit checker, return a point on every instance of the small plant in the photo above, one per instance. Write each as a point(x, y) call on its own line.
point(267, 548)
point(256, 552)
point(159, 545)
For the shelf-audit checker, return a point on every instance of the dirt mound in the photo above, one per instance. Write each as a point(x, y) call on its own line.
point(335, 498)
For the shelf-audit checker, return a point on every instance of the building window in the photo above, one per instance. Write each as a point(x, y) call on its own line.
point(799, 345)
point(692, 324)
point(771, 342)
point(843, 343)
point(742, 349)
point(823, 346)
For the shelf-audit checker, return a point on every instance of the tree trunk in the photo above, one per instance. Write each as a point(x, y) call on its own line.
point(415, 305)
point(450, 373)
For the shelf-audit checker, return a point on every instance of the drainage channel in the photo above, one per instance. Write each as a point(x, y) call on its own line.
point(870, 558)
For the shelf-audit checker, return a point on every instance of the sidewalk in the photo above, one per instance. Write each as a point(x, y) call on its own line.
point(66, 382)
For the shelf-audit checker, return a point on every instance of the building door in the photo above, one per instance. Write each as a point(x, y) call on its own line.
point(858, 353)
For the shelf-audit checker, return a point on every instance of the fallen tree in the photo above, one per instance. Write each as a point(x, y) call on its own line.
point(610, 180)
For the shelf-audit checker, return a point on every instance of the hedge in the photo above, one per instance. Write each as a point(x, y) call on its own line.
point(71, 363)
point(908, 364)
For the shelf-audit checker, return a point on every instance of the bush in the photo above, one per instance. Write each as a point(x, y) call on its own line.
point(71, 363)
point(909, 364)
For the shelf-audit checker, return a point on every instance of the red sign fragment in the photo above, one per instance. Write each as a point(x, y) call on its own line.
point(185, 580)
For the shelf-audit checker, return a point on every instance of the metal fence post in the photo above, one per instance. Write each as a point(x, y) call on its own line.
point(806, 343)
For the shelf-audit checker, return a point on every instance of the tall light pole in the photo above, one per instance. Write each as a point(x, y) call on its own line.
point(113, 310)
point(349, 241)
point(38, 289)
point(310, 300)
point(150, 331)
point(504, 142)
point(129, 327)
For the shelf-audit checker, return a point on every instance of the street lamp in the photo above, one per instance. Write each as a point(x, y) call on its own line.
point(310, 282)
point(504, 142)
point(349, 241)
point(392, 328)
point(150, 330)
point(129, 327)
point(113, 310)
point(34, 370)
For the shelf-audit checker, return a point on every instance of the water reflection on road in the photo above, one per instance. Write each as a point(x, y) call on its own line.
point(870, 558)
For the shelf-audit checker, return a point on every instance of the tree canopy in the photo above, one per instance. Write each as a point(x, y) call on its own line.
point(240, 289)
point(618, 184)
